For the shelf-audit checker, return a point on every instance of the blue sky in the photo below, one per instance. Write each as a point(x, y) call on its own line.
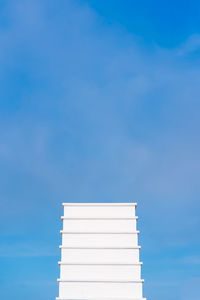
point(99, 101)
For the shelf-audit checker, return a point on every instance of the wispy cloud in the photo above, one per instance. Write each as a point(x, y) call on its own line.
point(191, 259)
point(25, 250)
point(191, 289)
point(191, 45)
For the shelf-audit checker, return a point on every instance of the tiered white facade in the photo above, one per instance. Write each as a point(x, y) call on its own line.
point(100, 252)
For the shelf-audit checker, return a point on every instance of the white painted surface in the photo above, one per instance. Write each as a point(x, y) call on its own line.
point(99, 225)
point(100, 272)
point(84, 290)
point(59, 298)
point(100, 253)
point(99, 211)
point(100, 240)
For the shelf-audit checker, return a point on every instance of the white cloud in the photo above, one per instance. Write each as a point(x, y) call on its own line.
point(191, 289)
point(191, 45)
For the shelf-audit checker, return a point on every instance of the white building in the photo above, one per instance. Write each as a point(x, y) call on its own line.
point(100, 252)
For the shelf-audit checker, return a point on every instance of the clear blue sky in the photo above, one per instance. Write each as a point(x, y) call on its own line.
point(99, 101)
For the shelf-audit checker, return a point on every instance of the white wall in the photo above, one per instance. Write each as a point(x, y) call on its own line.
point(100, 253)
point(100, 272)
point(102, 225)
point(100, 290)
point(112, 255)
point(99, 240)
point(99, 211)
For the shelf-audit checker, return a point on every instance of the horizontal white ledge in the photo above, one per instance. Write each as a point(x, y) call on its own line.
point(99, 264)
point(99, 204)
point(102, 248)
point(85, 232)
point(60, 298)
point(102, 281)
point(108, 218)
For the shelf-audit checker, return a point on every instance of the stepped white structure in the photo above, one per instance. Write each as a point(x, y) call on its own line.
point(100, 252)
